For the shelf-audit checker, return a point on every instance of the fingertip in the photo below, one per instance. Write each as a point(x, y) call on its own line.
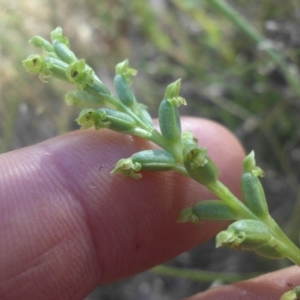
point(264, 287)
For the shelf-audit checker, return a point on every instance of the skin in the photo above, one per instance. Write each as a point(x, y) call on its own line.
point(67, 225)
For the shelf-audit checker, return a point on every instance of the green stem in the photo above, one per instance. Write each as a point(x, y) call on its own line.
point(220, 190)
point(159, 140)
point(237, 19)
point(181, 169)
point(282, 243)
point(122, 107)
point(203, 276)
point(286, 250)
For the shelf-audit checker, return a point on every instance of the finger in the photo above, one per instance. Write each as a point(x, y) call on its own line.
point(265, 287)
point(67, 225)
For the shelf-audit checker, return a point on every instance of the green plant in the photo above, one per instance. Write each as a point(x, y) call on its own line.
point(253, 228)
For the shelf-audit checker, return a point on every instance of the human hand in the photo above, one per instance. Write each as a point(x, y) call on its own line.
point(67, 225)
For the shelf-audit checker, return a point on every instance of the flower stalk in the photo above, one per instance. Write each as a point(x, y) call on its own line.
point(252, 229)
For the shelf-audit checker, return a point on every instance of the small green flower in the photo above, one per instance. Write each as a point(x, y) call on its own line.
point(40, 42)
point(57, 34)
point(128, 168)
point(244, 235)
point(172, 93)
point(89, 118)
point(34, 64)
point(106, 118)
point(46, 67)
point(147, 160)
point(123, 69)
point(81, 74)
point(249, 165)
point(249, 162)
point(199, 165)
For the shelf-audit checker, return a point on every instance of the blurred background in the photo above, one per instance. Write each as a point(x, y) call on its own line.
point(226, 76)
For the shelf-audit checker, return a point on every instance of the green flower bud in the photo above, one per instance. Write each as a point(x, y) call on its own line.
point(47, 67)
point(268, 252)
point(254, 195)
point(117, 120)
point(169, 121)
point(122, 68)
point(147, 160)
point(57, 68)
point(155, 160)
point(124, 91)
point(294, 294)
point(63, 52)
point(249, 165)
point(40, 42)
point(145, 116)
point(57, 34)
point(207, 210)
point(249, 162)
point(172, 92)
point(198, 164)
point(168, 114)
point(106, 118)
point(244, 235)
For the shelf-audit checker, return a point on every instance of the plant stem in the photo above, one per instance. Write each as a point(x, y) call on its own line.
point(121, 107)
point(282, 243)
point(237, 19)
point(159, 140)
point(220, 190)
point(202, 276)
